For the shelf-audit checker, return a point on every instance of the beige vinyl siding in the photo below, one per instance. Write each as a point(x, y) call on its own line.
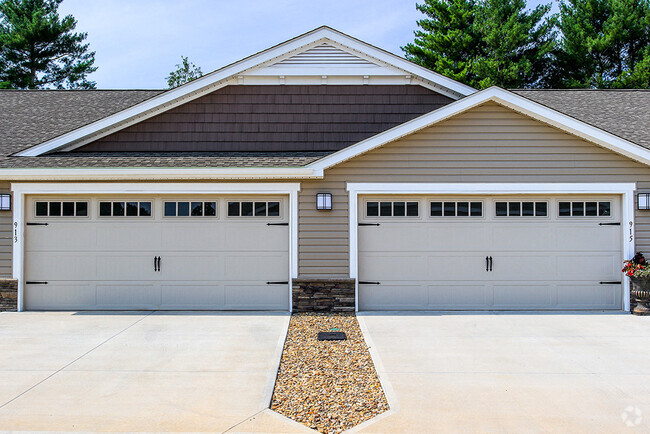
point(6, 240)
point(489, 143)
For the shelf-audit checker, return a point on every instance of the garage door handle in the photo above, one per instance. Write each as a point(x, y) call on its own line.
point(611, 283)
point(33, 282)
point(490, 263)
point(158, 263)
point(487, 263)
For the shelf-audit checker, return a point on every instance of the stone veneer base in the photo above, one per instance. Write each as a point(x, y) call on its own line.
point(8, 294)
point(323, 295)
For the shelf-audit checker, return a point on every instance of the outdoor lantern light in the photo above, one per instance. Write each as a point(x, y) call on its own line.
point(643, 201)
point(5, 202)
point(324, 201)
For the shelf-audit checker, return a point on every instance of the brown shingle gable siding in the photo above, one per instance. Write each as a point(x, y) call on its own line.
point(275, 119)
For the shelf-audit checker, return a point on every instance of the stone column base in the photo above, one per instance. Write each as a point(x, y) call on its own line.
point(8, 295)
point(323, 295)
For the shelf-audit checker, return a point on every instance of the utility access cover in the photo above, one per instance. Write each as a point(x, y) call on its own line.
point(331, 336)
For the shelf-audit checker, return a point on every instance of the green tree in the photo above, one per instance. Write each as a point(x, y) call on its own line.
point(185, 72)
point(38, 49)
point(486, 42)
point(604, 44)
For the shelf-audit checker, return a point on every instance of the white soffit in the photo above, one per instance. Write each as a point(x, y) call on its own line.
point(357, 59)
point(507, 99)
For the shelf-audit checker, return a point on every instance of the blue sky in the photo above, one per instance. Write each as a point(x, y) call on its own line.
point(138, 42)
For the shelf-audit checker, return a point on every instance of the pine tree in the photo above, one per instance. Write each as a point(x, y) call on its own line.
point(38, 49)
point(485, 42)
point(605, 43)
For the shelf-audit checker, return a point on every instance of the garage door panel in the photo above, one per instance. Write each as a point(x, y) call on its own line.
point(381, 238)
point(458, 295)
point(269, 266)
point(588, 238)
point(452, 266)
point(589, 266)
point(127, 237)
point(456, 239)
point(192, 267)
point(255, 296)
point(193, 296)
point(60, 296)
point(201, 236)
point(133, 267)
point(524, 266)
point(60, 237)
point(127, 296)
point(392, 266)
point(241, 237)
point(523, 295)
point(393, 296)
point(575, 296)
point(52, 265)
point(524, 237)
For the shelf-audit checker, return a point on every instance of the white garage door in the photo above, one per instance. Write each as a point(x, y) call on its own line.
point(493, 253)
point(157, 253)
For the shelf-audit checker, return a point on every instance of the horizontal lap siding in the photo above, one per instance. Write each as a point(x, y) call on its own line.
point(6, 237)
point(487, 144)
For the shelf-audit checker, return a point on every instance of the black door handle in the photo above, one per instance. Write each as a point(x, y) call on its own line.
point(490, 263)
point(158, 263)
point(155, 263)
point(487, 263)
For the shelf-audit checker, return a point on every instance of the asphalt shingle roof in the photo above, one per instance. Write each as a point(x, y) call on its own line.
point(625, 113)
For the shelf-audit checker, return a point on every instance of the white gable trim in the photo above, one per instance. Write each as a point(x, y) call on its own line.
point(228, 75)
point(505, 98)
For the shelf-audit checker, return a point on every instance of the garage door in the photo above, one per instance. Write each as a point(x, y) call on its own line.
point(157, 253)
point(493, 253)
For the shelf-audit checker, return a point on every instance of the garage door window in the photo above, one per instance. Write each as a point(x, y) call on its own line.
point(521, 209)
point(392, 209)
point(190, 209)
point(253, 209)
point(456, 209)
point(584, 209)
point(124, 209)
point(61, 209)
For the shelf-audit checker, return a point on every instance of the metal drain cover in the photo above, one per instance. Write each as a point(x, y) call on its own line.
point(331, 336)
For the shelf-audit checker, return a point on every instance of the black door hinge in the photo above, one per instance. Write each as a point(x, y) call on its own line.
point(609, 224)
point(368, 224)
point(611, 283)
point(34, 282)
point(278, 283)
point(365, 282)
point(277, 224)
point(36, 224)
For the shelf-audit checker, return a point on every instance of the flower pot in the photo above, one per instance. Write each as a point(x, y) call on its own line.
point(641, 293)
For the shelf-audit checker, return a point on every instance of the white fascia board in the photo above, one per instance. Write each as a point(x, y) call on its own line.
point(210, 82)
point(134, 173)
point(500, 96)
point(123, 188)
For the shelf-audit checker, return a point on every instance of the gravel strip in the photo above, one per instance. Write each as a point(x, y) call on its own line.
point(329, 386)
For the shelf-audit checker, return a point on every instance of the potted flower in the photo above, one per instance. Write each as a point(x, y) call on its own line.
point(638, 270)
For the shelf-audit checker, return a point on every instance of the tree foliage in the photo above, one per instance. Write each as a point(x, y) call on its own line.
point(38, 49)
point(185, 72)
point(604, 44)
point(590, 43)
point(485, 42)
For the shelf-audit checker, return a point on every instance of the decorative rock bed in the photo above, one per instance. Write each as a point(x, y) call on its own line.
point(329, 386)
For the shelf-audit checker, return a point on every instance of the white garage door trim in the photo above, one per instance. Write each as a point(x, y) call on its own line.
point(626, 190)
point(20, 190)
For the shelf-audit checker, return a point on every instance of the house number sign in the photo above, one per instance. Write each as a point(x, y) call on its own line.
point(631, 236)
point(15, 232)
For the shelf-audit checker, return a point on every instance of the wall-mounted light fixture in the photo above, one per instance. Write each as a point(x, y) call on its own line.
point(643, 201)
point(324, 201)
point(5, 202)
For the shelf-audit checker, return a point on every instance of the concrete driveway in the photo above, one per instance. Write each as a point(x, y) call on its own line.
point(512, 372)
point(140, 371)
